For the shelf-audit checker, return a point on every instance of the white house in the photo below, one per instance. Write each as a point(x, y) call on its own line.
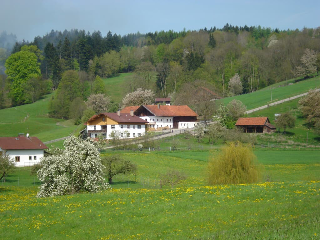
point(165, 116)
point(24, 151)
point(108, 125)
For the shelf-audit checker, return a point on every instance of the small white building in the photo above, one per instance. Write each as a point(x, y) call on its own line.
point(109, 125)
point(24, 151)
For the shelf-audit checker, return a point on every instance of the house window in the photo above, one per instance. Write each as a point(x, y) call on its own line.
point(113, 126)
point(128, 126)
point(94, 127)
point(161, 119)
point(34, 157)
point(167, 120)
point(30, 157)
point(121, 126)
point(139, 134)
point(128, 134)
point(134, 126)
point(139, 126)
point(17, 158)
point(121, 135)
point(133, 135)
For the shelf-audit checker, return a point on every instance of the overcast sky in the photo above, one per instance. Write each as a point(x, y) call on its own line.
point(30, 18)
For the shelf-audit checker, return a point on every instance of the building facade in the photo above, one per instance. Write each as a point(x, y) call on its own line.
point(110, 125)
point(24, 151)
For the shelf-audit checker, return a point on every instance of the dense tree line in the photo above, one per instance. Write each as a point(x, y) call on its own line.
point(165, 62)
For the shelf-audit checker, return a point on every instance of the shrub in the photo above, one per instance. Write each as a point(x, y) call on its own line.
point(171, 178)
point(234, 165)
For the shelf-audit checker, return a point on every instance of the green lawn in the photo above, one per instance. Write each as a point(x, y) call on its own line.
point(116, 86)
point(263, 96)
point(286, 207)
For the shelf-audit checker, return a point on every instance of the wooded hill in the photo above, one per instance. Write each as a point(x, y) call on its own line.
point(165, 61)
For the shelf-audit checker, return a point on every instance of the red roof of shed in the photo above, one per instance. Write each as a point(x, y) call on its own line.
point(21, 143)
point(254, 121)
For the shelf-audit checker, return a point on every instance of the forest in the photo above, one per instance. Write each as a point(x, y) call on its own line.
point(228, 61)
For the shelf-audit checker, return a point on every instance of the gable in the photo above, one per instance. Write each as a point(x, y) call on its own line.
point(98, 120)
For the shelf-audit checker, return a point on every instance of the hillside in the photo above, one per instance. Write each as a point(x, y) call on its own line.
point(277, 91)
point(33, 119)
point(116, 86)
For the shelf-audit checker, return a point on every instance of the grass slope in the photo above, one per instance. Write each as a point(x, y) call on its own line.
point(116, 86)
point(287, 208)
point(263, 96)
point(33, 119)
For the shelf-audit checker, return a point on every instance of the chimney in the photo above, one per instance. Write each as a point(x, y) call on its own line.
point(131, 113)
point(159, 105)
point(118, 113)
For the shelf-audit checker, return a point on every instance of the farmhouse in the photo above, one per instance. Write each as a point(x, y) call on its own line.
point(166, 116)
point(24, 150)
point(255, 125)
point(118, 124)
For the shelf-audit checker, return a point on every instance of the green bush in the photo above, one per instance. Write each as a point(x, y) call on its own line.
point(235, 164)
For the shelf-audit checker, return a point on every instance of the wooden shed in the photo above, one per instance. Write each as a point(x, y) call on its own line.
point(255, 125)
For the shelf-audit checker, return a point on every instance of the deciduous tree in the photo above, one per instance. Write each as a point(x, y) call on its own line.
point(235, 85)
point(20, 67)
point(6, 166)
point(115, 165)
point(285, 120)
point(78, 168)
point(138, 97)
point(98, 102)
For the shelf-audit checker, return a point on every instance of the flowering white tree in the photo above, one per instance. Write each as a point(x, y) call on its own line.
point(138, 97)
point(308, 64)
point(235, 85)
point(77, 168)
point(98, 102)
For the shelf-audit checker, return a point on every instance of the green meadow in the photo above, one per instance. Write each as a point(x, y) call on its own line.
point(116, 86)
point(278, 92)
point(283, 205)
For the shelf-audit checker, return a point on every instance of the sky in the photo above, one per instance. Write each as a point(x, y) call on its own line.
point(30, 18)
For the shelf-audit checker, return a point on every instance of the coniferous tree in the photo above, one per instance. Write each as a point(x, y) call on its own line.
point(66, 54)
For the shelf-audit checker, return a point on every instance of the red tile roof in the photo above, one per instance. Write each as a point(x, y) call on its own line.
point(254, 121)
point(170, 111)
point(129, 108)
point(21, 143)
point(123, 118)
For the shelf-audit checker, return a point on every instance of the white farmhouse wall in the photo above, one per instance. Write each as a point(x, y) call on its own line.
point(159, 122)
point(25, 155)
point(183, 125)
point(122, 130)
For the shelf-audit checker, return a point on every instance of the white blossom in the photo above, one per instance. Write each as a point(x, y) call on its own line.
point(77, 168)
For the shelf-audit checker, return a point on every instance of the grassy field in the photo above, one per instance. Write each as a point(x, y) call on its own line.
point(284, 205)
point(279, 92)
point(33, 119)
point(116, 85)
